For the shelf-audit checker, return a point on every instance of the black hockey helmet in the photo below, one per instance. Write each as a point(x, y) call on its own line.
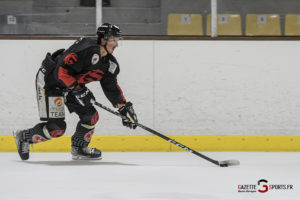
point(107, 30)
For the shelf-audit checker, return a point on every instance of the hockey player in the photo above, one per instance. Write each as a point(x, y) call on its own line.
point(62, 79)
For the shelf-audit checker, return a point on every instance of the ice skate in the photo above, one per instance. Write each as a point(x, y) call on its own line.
point(22, 146)
point(85, 153)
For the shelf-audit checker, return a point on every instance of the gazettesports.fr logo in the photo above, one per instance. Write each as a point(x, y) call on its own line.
point(262, 186)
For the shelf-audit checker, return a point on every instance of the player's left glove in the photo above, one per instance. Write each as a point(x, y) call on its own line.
point(131, 118)
point(83, 97)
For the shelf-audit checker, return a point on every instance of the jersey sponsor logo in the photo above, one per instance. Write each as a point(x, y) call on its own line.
point(56, 107)
point(58, 101)
point(112, 67)
point(95, 59)
point(71, 58)
point(55, 114)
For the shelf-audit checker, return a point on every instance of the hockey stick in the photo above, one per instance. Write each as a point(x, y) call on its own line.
point(224, 163)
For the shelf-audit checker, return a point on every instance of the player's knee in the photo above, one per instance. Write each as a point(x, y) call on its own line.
point(90, 118)
point(56, 128)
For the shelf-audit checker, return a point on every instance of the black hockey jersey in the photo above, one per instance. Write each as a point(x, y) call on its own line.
point(82, 63)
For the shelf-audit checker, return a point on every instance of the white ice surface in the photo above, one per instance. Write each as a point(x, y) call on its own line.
point(146, 176)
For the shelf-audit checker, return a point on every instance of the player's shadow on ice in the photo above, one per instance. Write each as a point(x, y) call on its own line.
point(77, 163)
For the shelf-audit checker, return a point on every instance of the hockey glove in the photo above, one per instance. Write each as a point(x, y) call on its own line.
point(81, 97)
point(128, 112)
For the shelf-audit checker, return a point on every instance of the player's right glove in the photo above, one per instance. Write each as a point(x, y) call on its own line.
point(131, 118)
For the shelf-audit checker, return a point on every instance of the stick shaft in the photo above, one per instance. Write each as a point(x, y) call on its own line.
point(161, 136)
point(177, 143)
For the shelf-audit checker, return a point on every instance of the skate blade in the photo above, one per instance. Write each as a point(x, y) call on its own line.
point(85, 158)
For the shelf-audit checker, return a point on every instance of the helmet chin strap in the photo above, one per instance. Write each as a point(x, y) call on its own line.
point(106, 49)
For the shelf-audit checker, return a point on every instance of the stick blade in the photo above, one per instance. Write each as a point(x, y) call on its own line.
point(226, 163)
